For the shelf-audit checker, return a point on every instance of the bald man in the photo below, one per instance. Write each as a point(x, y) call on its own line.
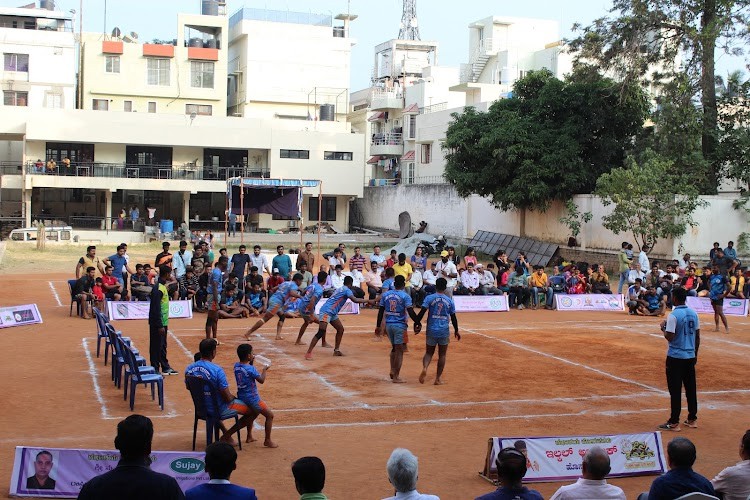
point(592, 484)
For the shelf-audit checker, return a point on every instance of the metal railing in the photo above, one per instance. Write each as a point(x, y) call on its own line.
point(280, 16)
point(11, 168)
point(388, 139)
point(387, 93)
point(132, 171)
point(434, 108)
point(383, 182)
point(426, 179)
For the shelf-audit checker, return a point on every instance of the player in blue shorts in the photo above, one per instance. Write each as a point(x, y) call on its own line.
point(286, 291)
point(247, 391)
point(306, 306)
point(329, 313)
point(441, 308)
point(390, 274)
point(718, 288)
point(394, 306)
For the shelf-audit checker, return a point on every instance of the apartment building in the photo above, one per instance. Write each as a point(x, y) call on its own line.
point(175, 155)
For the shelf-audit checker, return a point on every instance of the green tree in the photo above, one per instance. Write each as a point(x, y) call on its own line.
point(650, 200)
point(652, 41)
point(734, 126)
point(552, 139)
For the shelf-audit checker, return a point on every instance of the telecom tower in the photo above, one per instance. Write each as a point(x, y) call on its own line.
point(409, 26)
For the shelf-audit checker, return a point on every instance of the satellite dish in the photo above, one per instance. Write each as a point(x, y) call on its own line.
point(116, 32)
point(134, 35)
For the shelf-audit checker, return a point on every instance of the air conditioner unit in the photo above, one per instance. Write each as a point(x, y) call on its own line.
point(89, 198)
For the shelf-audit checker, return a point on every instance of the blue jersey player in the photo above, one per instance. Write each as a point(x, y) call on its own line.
point(306, 306)
point(440, 309)
point(287, 291)
point(395, 305)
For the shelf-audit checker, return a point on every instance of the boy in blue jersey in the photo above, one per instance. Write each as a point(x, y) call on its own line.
point(286, 291)
point(329, 313)
point(390, 274)
point(441, 308)
point(718, 287)
point(247, 390)
point(682, 331)
point(306, 306)
point(213, 299)
point(394, 306)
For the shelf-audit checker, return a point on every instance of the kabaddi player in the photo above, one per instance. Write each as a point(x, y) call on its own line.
point(306, 306)
point(440, 307)
point(329, 313)
point(395, 304)
point(286, 291)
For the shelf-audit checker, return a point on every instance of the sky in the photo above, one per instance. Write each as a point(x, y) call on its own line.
point(444, 21)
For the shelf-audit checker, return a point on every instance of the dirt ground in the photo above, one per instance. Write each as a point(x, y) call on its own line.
point(522, 373)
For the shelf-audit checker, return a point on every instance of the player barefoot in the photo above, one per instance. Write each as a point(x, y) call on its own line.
point(284, 292)
point(329, 313)
point(395, 304)
point(718, 289)
point(306, 306)
point(213, 299)
point(247, 391)
point(387, 285)
point(440, 307)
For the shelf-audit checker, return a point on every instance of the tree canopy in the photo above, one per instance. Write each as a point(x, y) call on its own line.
point(550, 140)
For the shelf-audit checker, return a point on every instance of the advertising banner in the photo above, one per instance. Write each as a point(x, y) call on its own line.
point(590, 302)
point(560, 458)
point(19, 315)
point(732, 307)
point(349, 308)
point(481, 303)
point(60, 472)
point(139, 310)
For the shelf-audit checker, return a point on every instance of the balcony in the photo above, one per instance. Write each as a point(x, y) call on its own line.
point(383, 99)
point(133, 171)
point(388, 144)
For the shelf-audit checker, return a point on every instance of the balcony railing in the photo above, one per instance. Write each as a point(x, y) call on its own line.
point(388, 139)
point(133, 171)
point(11, 168)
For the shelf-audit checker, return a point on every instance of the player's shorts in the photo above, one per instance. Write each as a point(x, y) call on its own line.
point(433, 340)
point(395, 334)
point(244, 408)
point(328, 317)
point(274, 307)
point(258, 407)
point(210, 302)
point(717, 302)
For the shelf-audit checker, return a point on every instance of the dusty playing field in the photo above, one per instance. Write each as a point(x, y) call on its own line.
point(522, 373)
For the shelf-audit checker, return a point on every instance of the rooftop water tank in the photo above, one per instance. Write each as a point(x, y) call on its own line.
point(209, 8)
point(327, 112)
point(47, 4)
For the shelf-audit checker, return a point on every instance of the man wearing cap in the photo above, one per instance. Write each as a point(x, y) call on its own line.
point(164, 258)
point(447, 269)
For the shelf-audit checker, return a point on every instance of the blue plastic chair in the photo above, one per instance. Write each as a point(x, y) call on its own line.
point(118, 357)
point(198, 387)
point(101, 333)
point(73, 300)
point(137, 377)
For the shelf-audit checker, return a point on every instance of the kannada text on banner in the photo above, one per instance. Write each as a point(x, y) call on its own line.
point(139, 310)
point(732, 307)
point(481, 303)
point(27, 314)
point(72, 468)
point(590, 302)
point(560, 458)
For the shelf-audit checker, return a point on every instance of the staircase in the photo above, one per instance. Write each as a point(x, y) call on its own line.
point(478, 61)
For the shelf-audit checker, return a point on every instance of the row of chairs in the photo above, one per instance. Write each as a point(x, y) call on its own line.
point(126, 362)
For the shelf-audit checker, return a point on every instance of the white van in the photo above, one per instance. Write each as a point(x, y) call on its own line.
point(53, 233)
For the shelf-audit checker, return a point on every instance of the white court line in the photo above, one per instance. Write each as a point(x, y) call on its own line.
point(54, 293)
point(181, 345)
point(705, 338)
point(92, 372)
point(567, 361)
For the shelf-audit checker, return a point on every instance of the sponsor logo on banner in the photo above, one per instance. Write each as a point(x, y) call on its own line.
point(139, 310)
point(19, 315)
point(72, 468)
point(481, 303)
point(349, 307)
point(590, 302)
point(732, 307)
point(560, 458)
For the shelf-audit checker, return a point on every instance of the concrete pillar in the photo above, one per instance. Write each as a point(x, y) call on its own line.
point(185, 209)
point(26, 206)
point(107, 209)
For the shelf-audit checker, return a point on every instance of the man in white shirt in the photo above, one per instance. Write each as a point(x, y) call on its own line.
point(643, 257)
point(734, 482)
point(335, 260)
point(337, 278)
point(181, 260)
point(447, 269)
point(592, 484)
point(429, 279)
point(260, 261)
point(416, 282)
point(487, 281)
point(469, 281)
point(403, 470)
point(636, 273)
point(376, 257)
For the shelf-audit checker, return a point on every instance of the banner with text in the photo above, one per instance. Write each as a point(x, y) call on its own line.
point(60, 472)
point(481, 303)
point(732, 307)
point(590, 302)
point(349, 308)
point(560, 458)
point(19, 315)
point(139, 310)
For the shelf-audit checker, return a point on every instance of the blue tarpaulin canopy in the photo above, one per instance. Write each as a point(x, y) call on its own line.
point(282, 197)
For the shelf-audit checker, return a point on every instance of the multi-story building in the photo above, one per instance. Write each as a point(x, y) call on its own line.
point(177, 159)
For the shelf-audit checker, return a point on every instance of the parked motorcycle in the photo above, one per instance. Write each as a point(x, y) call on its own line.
point(433, 247)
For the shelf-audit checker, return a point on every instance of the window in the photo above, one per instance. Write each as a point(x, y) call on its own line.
point(128, 106)
point(158, 71)
point(17, 62)
point(337, 155)
point(152, 107)
point(202, 74)
point(297, 154)
point(13, 98)
point(52, 100)
point(426, 153)
point(409, 173)
point(77, 152)
point(101, 105)
point(522, 74)
point(329, 208)
point(412, 126)
point(112, 64)
point(199, 109)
